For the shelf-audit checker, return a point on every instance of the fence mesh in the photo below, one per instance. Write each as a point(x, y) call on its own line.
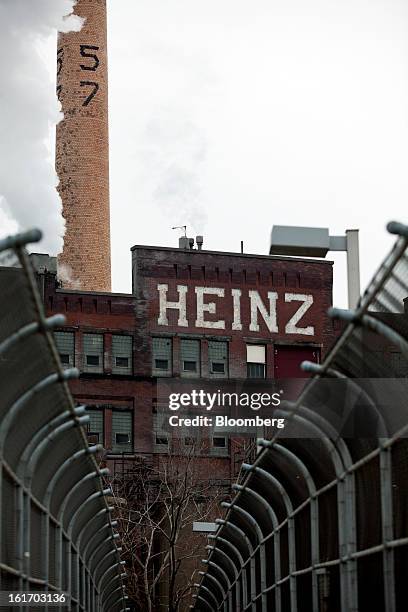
point(320, 519)
point(53, 500)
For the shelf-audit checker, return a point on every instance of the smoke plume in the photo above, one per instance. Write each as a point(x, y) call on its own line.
point(29, 111)
point(175, 158)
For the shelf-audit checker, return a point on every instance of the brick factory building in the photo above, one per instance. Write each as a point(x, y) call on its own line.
point(192, 314)
point(269, 313)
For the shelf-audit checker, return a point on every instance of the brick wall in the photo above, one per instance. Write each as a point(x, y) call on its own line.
point(285, 277)
point(138, 315)
point(82, 153)
point(107, 314)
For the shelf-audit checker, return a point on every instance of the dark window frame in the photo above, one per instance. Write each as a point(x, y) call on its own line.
point(159, 367)
point(188, 356)
point(101, 365)
point(164, 356)
point(88, 357)
point(195, 370)
point(131, 443)
point(125, 365)
point(73, 334)
point(214, 362)
point(258, 365)
point(129, 357)
point(101, 434)
point(121, 433)
point(225, 445)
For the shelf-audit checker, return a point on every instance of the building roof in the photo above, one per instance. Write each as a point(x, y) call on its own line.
point(231, 254)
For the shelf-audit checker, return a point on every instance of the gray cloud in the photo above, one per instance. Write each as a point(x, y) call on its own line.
point(301, 106)
point(29, 111)
point(229, 115)
point(174, 156)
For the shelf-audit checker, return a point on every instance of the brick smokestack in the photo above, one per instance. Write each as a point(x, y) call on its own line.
point(82, 150)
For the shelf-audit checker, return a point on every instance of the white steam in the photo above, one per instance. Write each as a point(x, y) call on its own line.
point(66, 276)
point(29, 110)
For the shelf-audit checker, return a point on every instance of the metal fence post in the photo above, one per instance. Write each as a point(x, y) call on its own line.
point(259, 535)
point(235, 571)
point(227, 595)
point(40, 400)
point(232, 547)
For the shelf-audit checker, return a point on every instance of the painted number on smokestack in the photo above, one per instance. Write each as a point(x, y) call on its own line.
point(95, 58)
point(95, 88)
point(60, 63)
point(84, 51)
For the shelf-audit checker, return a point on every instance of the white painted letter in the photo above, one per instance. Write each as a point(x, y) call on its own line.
point(269, 317)
point(181, 305)
point(236, 300)
point(291, 325)
point(210, 307)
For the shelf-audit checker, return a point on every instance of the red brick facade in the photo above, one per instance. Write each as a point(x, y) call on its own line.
point(105, 314)
point(137, 315)
point(154, 266)
point(82, 150)
point(140, 316)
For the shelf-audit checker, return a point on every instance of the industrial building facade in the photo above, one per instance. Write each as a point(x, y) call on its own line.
point(192, 314)
point(193, 317)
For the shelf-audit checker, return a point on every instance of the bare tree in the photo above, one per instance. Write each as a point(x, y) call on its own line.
point(156, 507)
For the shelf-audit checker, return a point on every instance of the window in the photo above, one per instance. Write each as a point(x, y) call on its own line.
point(256, 370)
point(219, 446)
point(161, 364)
point(190, 357)
point(190, 366)
point(93, 353)
point(122, 438)
point(122, 362)
point(256, 361)
point(219, 442)
point(161, 438)
point(92, 360)
point(122, 430)
point(397, 362)
point(95, 426)
point(65, 342)
point(122, 354)
point(218, 358)
point(161, 350)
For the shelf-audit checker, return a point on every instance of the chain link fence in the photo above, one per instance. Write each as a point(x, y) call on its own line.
point(56, 533)
point(320, 518)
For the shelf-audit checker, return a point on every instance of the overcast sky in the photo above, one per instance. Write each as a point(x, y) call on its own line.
point(29, 111)
point(231, 116)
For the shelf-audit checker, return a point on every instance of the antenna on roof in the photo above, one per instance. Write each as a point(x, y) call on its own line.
point(182, 227)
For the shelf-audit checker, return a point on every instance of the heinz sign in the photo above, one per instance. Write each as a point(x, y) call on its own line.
point(211, 301)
